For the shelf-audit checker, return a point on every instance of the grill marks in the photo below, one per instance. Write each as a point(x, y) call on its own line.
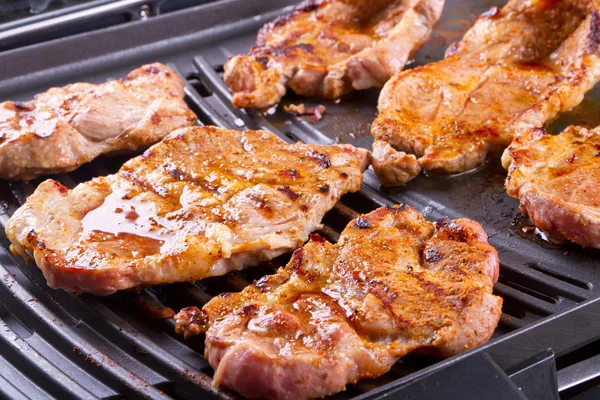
point(290, 52)
point(432, 256)
point(392, 285)
point(361, 223)
point(289, 193)
point(180, 176)
point(323, 189)
point(207, 200)
point(594, 37)
point(297, 259)
point(428, 284)
point(290, 173)
point(321, 159)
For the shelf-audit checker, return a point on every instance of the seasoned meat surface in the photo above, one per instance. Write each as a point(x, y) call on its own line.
point(327, 48)
point(202, 202)
point(515, 69)
point(394, 284)
point(557, 181)
point(66, 127)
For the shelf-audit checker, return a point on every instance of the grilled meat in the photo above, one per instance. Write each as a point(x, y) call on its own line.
point(202, 202)
point(393, 167)
point(66, 127)
point(557, 181)
point(515, 69)
point(394, 284)
point(327, 48)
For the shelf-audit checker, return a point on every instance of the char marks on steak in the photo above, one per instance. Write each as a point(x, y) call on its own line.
point(66, 127)
point(515, 69)
point(557, 181)
point(394, 284)
point(202, 202)
point(327, 48)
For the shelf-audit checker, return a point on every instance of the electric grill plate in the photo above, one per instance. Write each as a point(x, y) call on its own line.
point(58, 344)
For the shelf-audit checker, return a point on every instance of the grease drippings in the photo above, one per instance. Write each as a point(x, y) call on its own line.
point(120, 215)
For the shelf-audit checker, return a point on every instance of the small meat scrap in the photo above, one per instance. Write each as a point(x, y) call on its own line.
point(151, 308)
point(315, 113)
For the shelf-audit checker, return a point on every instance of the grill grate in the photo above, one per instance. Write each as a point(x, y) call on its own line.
point(536, 291)
point(56, 344)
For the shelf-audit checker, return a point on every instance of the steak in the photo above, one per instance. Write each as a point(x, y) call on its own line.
point(202, 202)
point(394, 284)
point(327, 48)
point(515, 69)
point(66, 127)
point(557, 181)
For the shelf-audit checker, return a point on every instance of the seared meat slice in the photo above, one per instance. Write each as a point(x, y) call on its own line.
point(515, 69)
point(66, 127)
point(393, 167)
point(327, 48)
point(557, 181)
point(394, 284)
point(202, 202)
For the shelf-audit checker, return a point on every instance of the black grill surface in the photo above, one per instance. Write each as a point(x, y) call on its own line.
point(53, 343)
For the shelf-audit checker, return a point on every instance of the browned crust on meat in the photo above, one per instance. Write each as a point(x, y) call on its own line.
point(557, 181)
point(394, 284)
point(516, 69)
point(328, 48)
point(202, 202)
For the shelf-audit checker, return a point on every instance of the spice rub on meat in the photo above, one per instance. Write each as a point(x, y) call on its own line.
point(327, 48)
point(202, 202)
point(517, 68)
point(557, 181)
point(394, 284)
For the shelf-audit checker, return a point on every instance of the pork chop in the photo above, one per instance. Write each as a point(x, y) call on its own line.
point(557, 181)
point(515, 69)
point(202, 202)
point(394, 284)
point(327, 48)
point(66, 127)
